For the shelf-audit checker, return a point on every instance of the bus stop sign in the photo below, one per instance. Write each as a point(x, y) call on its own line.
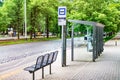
point(62, 15)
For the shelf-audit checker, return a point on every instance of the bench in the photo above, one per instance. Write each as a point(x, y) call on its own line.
point(41, 62)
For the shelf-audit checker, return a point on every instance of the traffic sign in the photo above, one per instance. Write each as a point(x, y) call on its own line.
point(62, 12)
point(62, 15)
point(61, 21)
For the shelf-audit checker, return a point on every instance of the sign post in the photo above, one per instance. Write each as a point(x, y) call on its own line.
point(25, 15)
point(62, 22)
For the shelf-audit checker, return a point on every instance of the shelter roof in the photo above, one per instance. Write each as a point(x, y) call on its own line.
point(87, 23)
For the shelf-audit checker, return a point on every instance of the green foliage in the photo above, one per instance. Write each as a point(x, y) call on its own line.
point(42, 14)
point(1, 3)
point(109, 38)
point(105, 12)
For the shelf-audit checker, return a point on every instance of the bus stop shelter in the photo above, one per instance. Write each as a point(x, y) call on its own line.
point(97, 37)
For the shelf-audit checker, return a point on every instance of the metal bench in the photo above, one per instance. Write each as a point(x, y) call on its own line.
point(41, 62)
point(52, 58)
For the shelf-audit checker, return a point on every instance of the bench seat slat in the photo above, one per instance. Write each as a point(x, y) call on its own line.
point(41, 62)
point(51, 55)
point(35, 66)
point(30, 69)
point(45, 60)
point(55, 56)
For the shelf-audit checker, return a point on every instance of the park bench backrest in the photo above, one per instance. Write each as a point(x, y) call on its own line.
point(55, 56)
point(39, 62)
point(45, 60)
point(51, 55)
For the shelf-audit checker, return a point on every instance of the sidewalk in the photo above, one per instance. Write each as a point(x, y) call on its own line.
point(106, 66)
point(10, 38)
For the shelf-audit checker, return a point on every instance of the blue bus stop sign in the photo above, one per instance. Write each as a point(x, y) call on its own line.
point(62, 15)
point(62, 12)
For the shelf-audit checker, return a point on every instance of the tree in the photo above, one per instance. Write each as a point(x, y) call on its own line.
point(18, 15)
point(4, 19)
point(42, 14)
point(13, 13)
point(98, 11)
point(49, 12)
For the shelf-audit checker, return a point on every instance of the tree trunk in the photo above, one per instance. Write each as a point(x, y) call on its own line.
point(18, 25)
point(31, 34)
point(47, 26)
point(18, 32)
point(31, 26)
point(57, 29)
point(34, 33)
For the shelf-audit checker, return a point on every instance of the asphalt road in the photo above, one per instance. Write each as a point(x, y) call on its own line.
point(21, 50)
point(11, 53)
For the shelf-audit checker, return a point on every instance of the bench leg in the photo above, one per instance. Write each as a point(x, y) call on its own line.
point(33, 76)
point(43, 73)
point(50, 68)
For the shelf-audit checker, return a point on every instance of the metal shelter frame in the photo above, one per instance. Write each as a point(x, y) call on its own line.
point(97, 42)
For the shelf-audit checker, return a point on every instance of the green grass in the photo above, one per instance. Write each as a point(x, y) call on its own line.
point(22, 41)
point(109, 38)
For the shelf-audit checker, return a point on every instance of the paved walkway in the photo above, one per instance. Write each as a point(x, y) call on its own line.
point(106, 66)
point(10, 38)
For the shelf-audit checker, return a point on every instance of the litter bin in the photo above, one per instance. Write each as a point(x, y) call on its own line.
point(14, 33)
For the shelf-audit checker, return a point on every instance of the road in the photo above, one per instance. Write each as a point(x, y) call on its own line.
point(20, 51)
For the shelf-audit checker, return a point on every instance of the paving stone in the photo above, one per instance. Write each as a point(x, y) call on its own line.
point(106, 66)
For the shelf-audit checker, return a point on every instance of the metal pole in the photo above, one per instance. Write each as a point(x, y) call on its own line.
point(63, 46)
point(25, 15)
point(43, 73)
point(116, 42)
point(33, 76)
point(87, 38)
point(50, 69)
point(87, 31)
point(99, 41)
point(94, 43)
point(102, 39)
point(72, 44)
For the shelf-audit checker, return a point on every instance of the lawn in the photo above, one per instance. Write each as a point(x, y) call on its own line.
point(22, 41)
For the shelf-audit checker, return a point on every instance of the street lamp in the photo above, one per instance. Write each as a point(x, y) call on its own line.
point(25, 16)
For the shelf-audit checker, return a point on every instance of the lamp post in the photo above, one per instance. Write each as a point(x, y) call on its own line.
point(25, 16)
